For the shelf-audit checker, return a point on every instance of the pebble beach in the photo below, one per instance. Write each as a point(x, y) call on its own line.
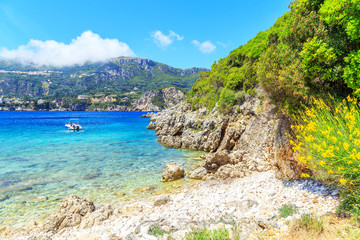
point(251, 204)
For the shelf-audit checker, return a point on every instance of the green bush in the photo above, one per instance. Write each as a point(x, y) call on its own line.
point(287, 210)
point(205, 234)
point(328, 143)
point(310, 223)
point(156, 231)
point(310, 51)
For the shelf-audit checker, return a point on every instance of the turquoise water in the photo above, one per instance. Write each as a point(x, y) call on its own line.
point(42, 162)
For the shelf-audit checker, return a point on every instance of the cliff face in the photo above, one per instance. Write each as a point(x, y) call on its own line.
point(157, 100)
point(253, 139)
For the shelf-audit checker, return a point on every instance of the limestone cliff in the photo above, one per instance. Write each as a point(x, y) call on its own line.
point(254, 138)
point(156, 100)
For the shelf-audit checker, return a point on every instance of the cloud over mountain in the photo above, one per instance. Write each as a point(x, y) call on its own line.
point(163, 40)
point(87, 47)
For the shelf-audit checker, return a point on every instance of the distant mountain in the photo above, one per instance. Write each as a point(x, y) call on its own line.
point(119, 75)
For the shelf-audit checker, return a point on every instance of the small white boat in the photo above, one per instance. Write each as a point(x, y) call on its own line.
point(73, 125)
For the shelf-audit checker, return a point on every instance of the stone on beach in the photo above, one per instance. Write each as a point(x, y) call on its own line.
point(198, 173)
point(70, 213)
point(162, 200)
point(100, 214)
point(251, 202)
point(75, 211)
point(172, 172)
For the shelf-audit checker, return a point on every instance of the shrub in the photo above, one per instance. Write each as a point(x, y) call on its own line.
point(287, 210)
point(156, 231)
point(310, 223)
point(328, 143)
point(205, 234)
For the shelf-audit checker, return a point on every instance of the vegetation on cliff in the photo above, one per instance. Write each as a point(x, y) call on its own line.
point(308, 62)
point(314, 49)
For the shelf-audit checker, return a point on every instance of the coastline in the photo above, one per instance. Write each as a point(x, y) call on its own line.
point(250, 203)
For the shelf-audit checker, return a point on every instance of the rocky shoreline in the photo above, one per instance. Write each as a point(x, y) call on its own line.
point(255, 138)
point(249, 173)
point(251, 204)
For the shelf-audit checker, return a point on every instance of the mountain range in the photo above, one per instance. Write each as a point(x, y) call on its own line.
point(119, 75)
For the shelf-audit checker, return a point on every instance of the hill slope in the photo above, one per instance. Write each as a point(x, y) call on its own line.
point(314, 49)
point(119, 75)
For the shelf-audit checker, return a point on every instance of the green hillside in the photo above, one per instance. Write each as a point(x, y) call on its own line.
point(312, 50)
point(118, 76)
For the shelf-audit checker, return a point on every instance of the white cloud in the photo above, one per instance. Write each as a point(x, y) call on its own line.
point(165, 40)
point(204, 47)
point(87, 47)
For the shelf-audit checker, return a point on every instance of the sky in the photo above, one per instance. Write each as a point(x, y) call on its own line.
point(181, 34)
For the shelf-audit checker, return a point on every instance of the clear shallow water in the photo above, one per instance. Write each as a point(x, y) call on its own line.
point(41, 162)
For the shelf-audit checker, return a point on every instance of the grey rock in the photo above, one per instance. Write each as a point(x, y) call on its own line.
point(70, 213)
point(257, 137)
point(172, 172)
point(169, 96)
point(162, 200)
point(151, 126)
point(198, 173)
point(100, 214)
point(216, 160)
point(39, 238)
point(231, 171)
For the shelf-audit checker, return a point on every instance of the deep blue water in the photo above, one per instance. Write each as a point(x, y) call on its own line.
point(42, 162)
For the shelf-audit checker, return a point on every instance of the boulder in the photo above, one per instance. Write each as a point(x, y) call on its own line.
point(172, 172)
point(101, 213)
point(198, 173)
point(162, 200)
point(151, 126)
point(216, 160)
point(70, 213)
point(231, 171)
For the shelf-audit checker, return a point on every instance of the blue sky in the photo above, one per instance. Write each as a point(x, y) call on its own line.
point(179, 33)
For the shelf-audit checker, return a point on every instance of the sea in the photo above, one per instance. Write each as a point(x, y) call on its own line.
point(113, 159)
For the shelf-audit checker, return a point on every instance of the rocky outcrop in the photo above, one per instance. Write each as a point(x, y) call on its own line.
point(100, 214)
point(75, 211)
point(172, 172)
point(252, 139)
point(198, 173)
point(70, 213)
point(156, 100)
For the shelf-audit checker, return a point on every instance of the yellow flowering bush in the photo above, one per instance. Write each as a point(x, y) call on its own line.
point(328, 143)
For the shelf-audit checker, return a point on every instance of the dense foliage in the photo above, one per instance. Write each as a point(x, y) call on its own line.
point(314, 49)
point(328, 143)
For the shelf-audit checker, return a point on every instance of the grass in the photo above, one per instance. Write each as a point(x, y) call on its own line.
point(287, 210)
point(156, 231)
point(332, 227)
point(310, 223)
point(205, 234)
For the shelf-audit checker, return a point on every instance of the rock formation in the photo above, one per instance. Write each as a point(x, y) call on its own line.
point(156, 100)
point(75, 211)
point(254, 138)
point(172, 172)
point(198, 173)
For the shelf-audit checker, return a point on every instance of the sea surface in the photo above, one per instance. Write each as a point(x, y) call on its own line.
point(113, 158)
